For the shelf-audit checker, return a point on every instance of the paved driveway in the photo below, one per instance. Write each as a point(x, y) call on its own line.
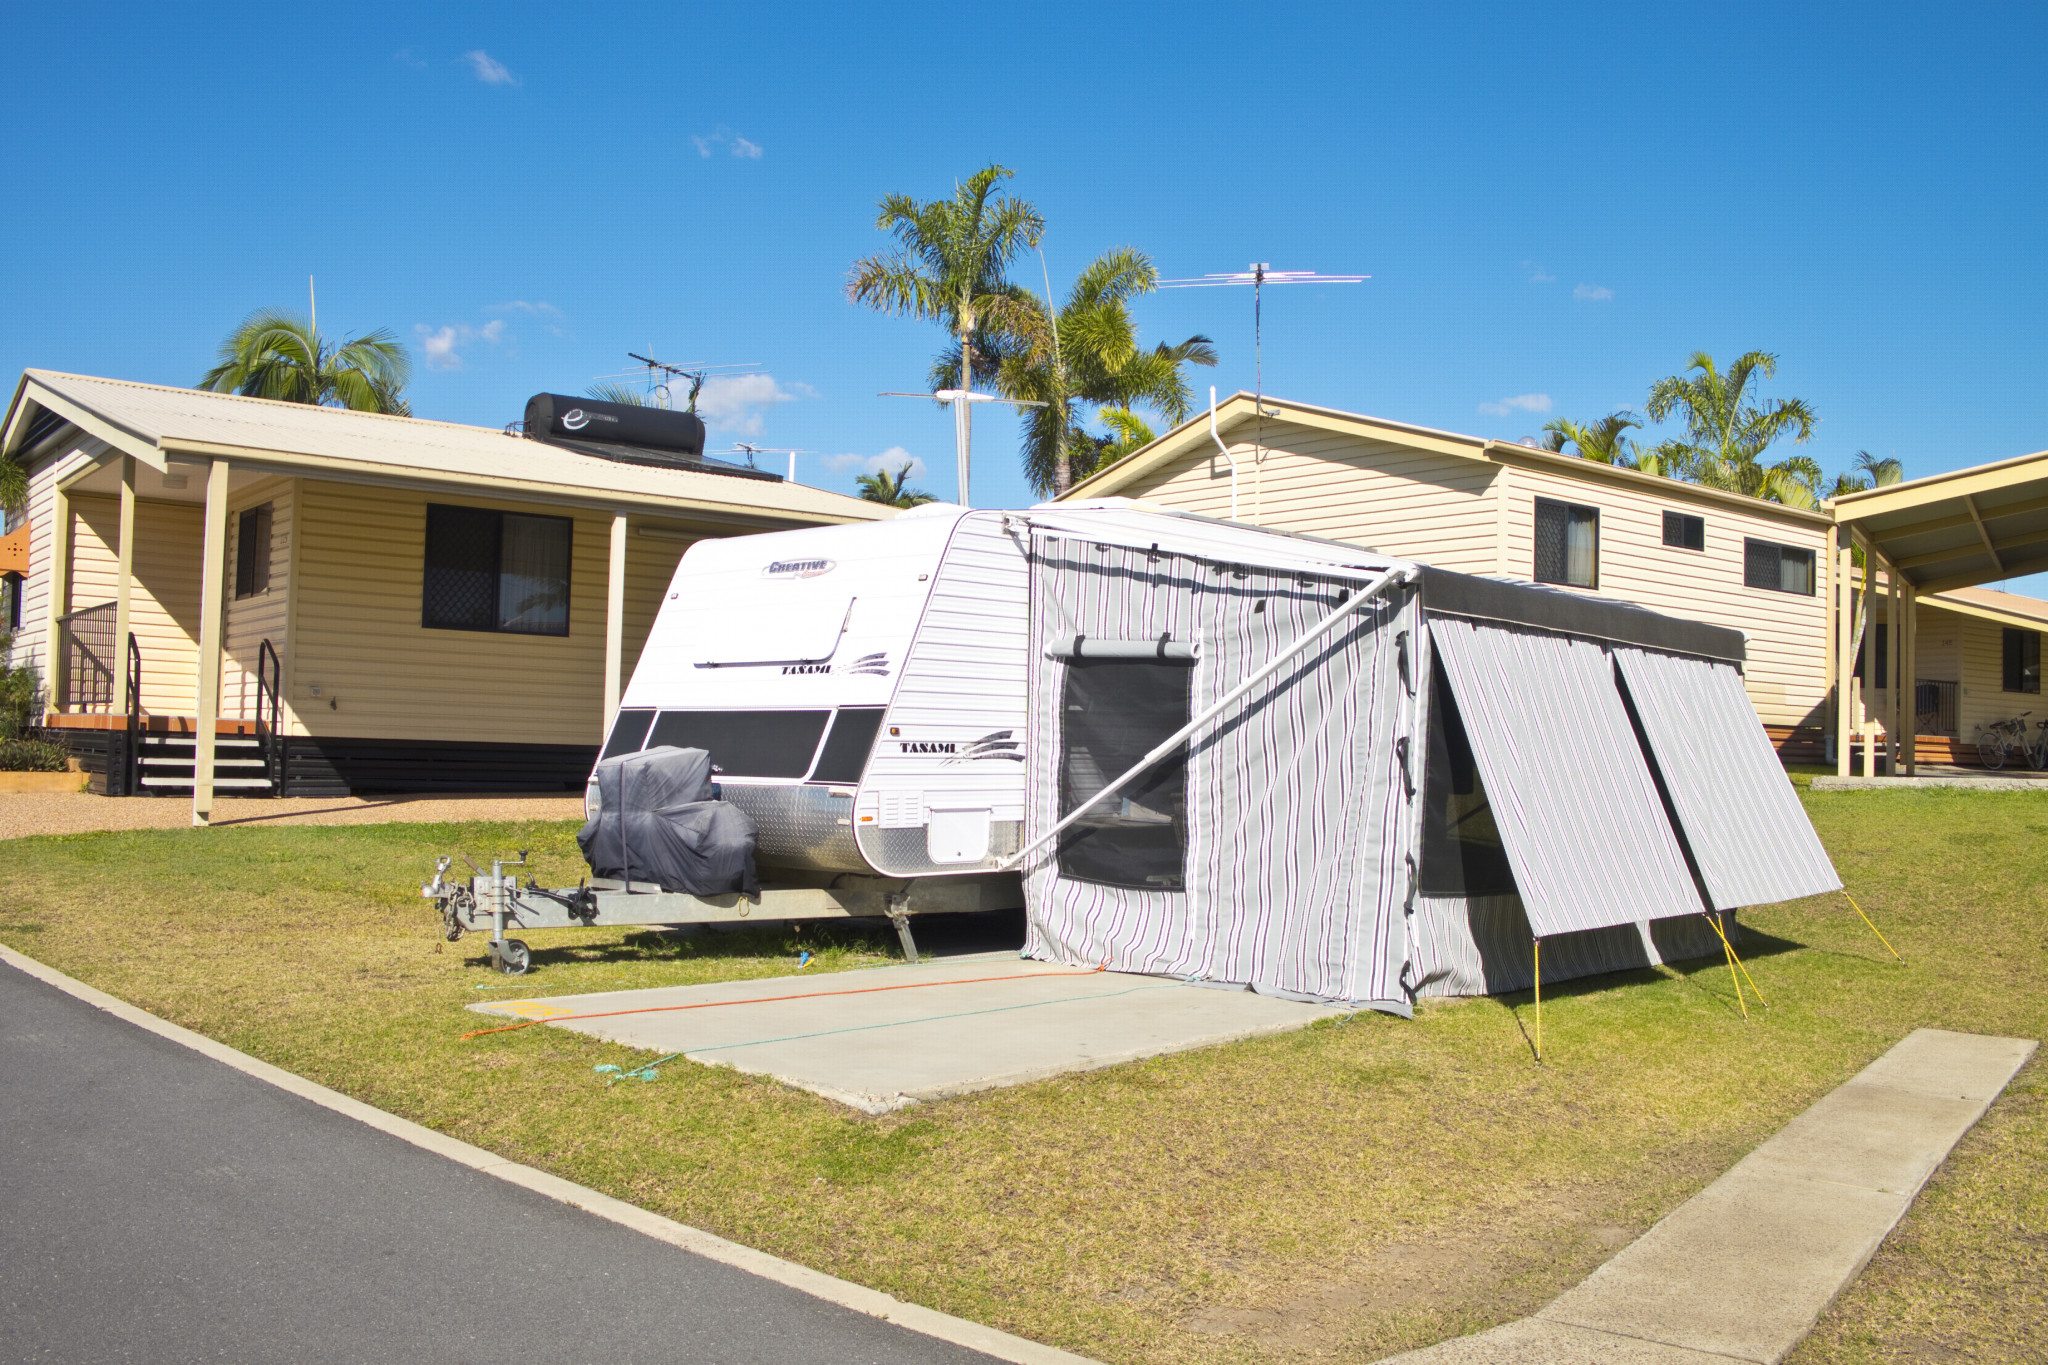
point(157, 1205)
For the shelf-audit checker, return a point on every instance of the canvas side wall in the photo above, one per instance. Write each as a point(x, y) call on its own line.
point(1398, 500)
point(1786, 670)
point(357, 634)
point(164, 599)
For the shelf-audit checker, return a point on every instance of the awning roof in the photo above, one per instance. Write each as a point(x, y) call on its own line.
point(1958, 529)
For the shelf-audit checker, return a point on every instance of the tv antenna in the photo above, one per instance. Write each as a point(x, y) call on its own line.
point(961, 401)
point(750, 450)
point(1258, 275)
point(661, 376)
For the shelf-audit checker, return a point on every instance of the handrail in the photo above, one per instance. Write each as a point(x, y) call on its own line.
point(85, 676)
point(270, 679)
point(132, 778)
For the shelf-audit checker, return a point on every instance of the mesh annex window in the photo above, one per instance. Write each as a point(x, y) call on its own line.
point(746, 743)
point(1684, 531)
point(1113, 712)
point(252, 552)
point(2022, 660)
point(1777, 568)
point(1462, 852)
point(496, 571)
point(1567, 544)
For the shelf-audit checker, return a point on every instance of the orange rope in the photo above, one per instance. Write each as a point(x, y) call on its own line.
point(777, 999)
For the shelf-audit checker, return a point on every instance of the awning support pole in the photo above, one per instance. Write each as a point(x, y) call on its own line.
point(1720, 927)
point(1873, 928)
point(1390, 578)
point(1728, 951)
point(1536, 956)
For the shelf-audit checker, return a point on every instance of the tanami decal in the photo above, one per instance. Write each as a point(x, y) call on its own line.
point(997, 744)
point(867, 665)
point(798, 568)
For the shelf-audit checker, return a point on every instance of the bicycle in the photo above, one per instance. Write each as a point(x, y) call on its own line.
point(2000, 740)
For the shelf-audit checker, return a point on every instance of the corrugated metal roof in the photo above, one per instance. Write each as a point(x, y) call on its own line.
point(167, 417)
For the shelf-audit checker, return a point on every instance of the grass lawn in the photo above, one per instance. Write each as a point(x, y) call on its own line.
point(1343, 1192)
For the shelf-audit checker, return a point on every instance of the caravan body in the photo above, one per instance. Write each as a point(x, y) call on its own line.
point(861, 690)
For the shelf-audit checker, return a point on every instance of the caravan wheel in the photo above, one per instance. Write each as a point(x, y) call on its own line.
point(511, 957)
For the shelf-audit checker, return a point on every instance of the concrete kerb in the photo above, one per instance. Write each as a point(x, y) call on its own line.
point(929, 1322)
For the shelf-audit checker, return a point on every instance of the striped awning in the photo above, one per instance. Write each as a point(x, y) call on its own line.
point(1579, 814)
point(1749, 836)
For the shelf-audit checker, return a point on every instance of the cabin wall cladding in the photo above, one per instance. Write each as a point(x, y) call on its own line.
point(1300, 821)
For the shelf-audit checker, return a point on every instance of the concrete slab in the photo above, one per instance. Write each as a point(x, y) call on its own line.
point(886, 1037)
point(1744, 1268)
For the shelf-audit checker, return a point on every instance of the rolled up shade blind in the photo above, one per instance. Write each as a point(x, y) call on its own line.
point(1098, 647)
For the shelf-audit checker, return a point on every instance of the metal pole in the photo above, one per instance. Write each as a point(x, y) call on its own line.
point(962, 414)
point(1390, 578)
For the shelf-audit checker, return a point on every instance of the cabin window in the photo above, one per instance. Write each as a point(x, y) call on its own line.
point(1777, 568)
point(10, 602)
point(252, 552)
point(496, 571)
point(1114, 712)
point(1462, 852)
point(2022, 660)
point(1567, 544)
point(1683, 531)
point(777, 744)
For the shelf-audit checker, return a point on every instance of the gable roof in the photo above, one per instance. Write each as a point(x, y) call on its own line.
point(1192, 438)
point(152, 421)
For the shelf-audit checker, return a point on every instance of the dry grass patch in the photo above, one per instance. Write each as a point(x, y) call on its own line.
point(1341, 1192)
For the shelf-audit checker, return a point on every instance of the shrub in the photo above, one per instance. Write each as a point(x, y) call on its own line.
point(31, 756)
point(20, 696)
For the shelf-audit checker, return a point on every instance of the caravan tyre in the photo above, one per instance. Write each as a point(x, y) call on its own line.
point(512, 957)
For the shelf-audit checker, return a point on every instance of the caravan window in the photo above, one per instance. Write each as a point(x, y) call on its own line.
point(2022, 660)
point(1777, 568)
point(629, 732)
point(746, 743)
point(1113, 712)
point(252, 552)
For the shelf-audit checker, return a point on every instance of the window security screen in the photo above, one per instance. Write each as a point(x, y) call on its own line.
point(10, 601)
point(252, 551)
point(1114, 712)
point(1567, 544)
point(746, 743)
point(1683, 531)
point(1777, 568)
point(496, 571)
point(2022, 660)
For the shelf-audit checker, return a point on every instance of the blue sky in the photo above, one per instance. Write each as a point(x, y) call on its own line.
point(1557, 205)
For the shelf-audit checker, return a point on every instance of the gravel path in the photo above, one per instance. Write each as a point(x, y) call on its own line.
point(83, 813)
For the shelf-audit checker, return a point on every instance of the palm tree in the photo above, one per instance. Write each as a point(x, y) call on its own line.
point(274, 354)
point(1087, 355)
point(892, 490)
point(1727, 431)
point(1602, 440)
point(952, 265)
point(13, 485)
point(1867, 472)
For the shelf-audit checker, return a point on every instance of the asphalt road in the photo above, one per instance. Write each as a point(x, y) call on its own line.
point(157, 1205)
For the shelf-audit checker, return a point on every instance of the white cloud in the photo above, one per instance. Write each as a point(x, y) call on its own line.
point(737, 402)
point(708, 144)
point(1592, 293)
point(1537, 274)
point(892, 459)
point(1520, 402)
point(489, 69)
point(537, 307)
point(443, 345)
point(405, 56)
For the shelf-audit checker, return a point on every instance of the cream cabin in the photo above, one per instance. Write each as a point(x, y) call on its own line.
point(347, 601)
